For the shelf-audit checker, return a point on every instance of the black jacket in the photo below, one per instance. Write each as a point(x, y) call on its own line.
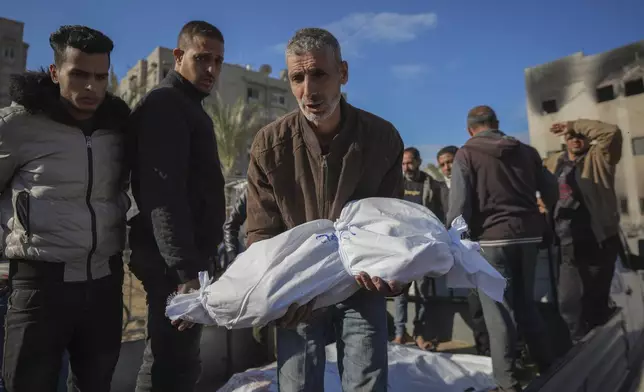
point(234, 223)
point(443, 190)
point(177, 180)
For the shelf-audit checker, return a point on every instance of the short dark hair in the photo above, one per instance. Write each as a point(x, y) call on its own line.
point(447, 150)
point(482, 116)
point(198, 28)
point(83, 38)
point(414, 152)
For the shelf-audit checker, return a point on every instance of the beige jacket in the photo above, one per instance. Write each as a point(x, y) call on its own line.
point(597, 178)
point(62, 192)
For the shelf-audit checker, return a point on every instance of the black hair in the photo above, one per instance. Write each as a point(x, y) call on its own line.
point(414, 152)
point(83, 38)
point(447, 150)
point(198, 28)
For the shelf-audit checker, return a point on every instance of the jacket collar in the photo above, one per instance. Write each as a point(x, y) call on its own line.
point(175, 79)
point(490, 133)
point(38, 94)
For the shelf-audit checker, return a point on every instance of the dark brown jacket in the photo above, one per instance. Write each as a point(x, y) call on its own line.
point(495, 179)
point(290, 182)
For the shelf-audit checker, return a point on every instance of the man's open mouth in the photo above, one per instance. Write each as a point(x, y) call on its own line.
point(314, 106)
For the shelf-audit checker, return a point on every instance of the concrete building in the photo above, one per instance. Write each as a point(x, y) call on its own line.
point(13, 55)
point(609, 87)
point(235, 82)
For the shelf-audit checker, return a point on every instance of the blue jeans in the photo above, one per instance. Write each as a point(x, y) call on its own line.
point(400, 318)
point(360, 327)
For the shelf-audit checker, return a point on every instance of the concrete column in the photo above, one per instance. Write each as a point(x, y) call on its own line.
point(628, 163)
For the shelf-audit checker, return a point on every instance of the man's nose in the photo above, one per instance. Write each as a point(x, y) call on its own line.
point(308, 86)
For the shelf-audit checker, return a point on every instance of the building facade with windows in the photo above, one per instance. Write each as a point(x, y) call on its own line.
point(609, 87)
point(13, 55)
point(235, 82)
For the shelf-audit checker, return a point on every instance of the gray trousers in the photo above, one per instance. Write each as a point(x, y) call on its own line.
point(517, 263)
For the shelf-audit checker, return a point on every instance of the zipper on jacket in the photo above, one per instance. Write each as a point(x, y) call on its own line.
point(88, 199)
point(22, 212)
point(325, 180)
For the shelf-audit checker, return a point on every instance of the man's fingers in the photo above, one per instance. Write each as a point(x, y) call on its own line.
point(368, 283)
point(186, 325)
point(380, 285)
point(395, 287)
point(182, 325)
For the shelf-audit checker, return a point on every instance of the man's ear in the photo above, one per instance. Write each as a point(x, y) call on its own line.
point(53, 73)
point(178, 56)
point(344, 72)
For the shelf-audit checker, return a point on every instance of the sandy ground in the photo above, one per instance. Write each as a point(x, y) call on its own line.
point(134, 299)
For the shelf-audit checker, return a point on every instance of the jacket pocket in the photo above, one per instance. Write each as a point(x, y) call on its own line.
point(22, 213)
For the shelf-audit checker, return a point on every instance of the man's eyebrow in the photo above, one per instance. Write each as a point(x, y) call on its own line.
point(79, 71)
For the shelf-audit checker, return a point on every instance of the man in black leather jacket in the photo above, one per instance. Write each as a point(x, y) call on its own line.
point(232, 226)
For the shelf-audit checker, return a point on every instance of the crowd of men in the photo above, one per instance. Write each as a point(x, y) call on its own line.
point(69, 152)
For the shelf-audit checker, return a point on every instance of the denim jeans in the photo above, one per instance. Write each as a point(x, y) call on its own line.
point(517, 263)
point(360, 327)
point(422, 288)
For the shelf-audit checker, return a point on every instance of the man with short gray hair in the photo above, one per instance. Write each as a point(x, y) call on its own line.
point(307, 165)
point(495, 179)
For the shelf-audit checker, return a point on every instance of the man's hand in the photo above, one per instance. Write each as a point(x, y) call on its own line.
point(542, 206)
point(388, 289)
point(296, 314)
point(185, 288)
point(560, 129)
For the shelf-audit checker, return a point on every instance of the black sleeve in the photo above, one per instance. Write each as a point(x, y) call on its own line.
point(437, 206)
point(234, 223)
point(460, 193)
point(163, 153)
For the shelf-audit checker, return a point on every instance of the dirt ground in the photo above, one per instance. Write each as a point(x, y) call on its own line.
point(134, 318)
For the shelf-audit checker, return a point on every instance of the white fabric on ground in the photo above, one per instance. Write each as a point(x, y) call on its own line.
point(389, 238)
point(410, 370)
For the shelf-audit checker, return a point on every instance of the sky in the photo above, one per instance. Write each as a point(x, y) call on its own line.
point(420, 64)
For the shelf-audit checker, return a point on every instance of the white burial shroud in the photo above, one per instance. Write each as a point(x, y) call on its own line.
point(389, 238)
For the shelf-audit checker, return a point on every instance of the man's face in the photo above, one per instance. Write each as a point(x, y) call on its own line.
point(445, 162)
point(200, 62)
point(316, 79)
point(577, 144)
point(83, 79)
point(410, 165)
